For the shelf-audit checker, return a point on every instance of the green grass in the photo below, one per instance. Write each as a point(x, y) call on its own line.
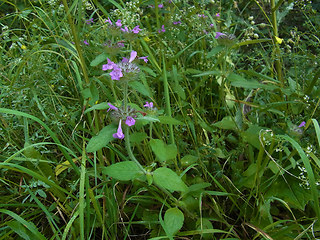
point(222, 154)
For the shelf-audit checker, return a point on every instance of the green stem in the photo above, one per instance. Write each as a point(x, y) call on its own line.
point(167, 98)
point(77, 42)
point(127, 134)
point(277, 61)
point(130, 153)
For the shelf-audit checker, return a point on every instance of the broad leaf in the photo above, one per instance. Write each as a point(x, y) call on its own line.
point(163, 151)
point(99, 59)
point(169, 120)
point(168, 179)
point(226, 123)
point(173, 221)
point(103, 138)
point(123, 171)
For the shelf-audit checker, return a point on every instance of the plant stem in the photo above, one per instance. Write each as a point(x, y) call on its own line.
point(277, 61)
point(167, 99)
point(130, 153)
point(127, 134)
point(77, 42)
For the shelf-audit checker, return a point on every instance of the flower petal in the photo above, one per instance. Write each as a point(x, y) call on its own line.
point(132, 56)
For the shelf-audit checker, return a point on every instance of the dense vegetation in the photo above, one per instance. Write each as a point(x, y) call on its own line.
point(159, 119)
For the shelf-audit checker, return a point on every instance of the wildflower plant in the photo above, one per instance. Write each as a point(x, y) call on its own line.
point(159, 120)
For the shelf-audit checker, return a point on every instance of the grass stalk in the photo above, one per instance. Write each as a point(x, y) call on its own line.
point(167, 99)
point(277, 61)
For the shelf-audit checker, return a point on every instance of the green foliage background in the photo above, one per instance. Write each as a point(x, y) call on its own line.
point(229, 151)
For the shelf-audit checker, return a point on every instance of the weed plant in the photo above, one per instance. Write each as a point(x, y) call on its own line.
point(159, 119)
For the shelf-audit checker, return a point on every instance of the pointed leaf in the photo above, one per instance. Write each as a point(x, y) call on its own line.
point(168, 179)
point(123, 171)
point(163, 151)
point(103, 138)
point(173, 221)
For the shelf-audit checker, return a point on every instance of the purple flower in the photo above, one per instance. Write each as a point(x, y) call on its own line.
point(219, 34)
point(116, 74)
point(202, 15)
point(148, 105)
point(125, 60)
point(85, 42)
point(162, 29)
point(125, 29)
point(89, 21)
point(160, 6)
point(109, 65)
point(133, 55)
point(136, 29)
point(218, 15)
point(118, 23)
point(119, 134)
point(130, 121)
point(303, 124)
point(145, 59)
point(112, 107)
point(120, 44)
point(109, 21)
point(211, 25)
point(176, 23)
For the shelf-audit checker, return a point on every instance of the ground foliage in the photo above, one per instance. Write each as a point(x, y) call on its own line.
point(184, 120)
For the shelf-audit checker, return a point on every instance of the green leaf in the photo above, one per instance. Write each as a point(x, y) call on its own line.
point(168, 179)
point(226, 123)
point(148, 70)
point(103, 138)
point(99, 106)
point(20, 230)
point(162, 151)
point(123, 171)
point(203, 224)
point(99, 59)
point(173, 221)
point(251, 42)
point(214, 73)
point(169, 120)
point(138, 137)
point(215, 51)
point(251, 135)
point(138, 86)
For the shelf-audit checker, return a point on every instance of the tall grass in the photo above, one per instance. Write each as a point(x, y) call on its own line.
point(227, 150)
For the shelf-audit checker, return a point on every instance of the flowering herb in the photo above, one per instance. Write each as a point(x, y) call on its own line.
point(303, 124)
point(119, 134)
point(124, 67)
point(130, 121)
point(176, 23)
point(108, 21)
point(85, 42)
point(148, 105)
point(219, 34)
point(118, 23)
point(136, 29)
point(111, 107)
point(89, 21)
point(145, 59)
point(162, 29)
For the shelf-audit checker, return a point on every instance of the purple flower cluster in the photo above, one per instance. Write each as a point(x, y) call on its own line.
point(126, 66)
point(89, 21)
point(162, 29)
point(303, 124)
point(202, 15)
point(128, 115)
point(118, 24)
